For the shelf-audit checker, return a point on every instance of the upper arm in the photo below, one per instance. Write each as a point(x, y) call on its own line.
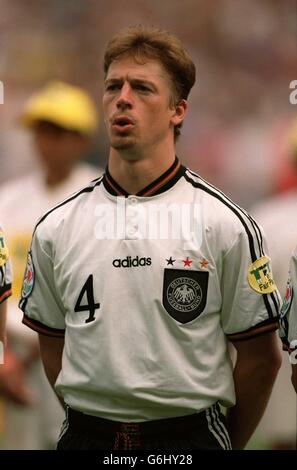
point(41, 301)
point(262, 351)
point(51, 350)
point(250, 300)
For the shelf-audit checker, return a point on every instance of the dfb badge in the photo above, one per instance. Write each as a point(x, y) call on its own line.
point(184, 293)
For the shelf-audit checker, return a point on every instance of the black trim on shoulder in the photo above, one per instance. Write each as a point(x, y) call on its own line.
point(232, 207)
point(239, 212)
point(285, 326)
point(275, 301)
point(250, 218)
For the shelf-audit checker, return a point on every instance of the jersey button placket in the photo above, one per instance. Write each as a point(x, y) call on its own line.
point(131, 217)
point(132, 201)
point(131, 231)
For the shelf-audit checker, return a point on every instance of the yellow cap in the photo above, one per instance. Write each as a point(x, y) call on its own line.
point(64, 105)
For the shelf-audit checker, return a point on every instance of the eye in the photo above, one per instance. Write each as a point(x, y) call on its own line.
point(112, 87)
point(142, 88)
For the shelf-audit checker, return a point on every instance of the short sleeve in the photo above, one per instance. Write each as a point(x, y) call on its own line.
point(250, 299)
point(288, 317)
point(40, 302)
point(5, 269)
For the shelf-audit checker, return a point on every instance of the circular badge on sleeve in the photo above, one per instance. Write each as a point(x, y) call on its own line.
point(28, 282)
point(3, 250)
point(260, 277)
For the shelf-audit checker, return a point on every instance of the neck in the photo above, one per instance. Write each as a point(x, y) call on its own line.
point(135, 173)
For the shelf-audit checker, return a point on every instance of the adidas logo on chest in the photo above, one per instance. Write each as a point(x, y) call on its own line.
point(130, 262)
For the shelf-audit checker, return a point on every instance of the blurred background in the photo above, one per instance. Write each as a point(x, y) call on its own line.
point(245, 53)
point(238, 133)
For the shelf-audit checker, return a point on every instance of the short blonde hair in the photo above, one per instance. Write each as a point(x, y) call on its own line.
point(153, 43)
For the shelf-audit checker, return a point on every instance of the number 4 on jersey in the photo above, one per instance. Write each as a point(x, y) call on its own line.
point(90, 306)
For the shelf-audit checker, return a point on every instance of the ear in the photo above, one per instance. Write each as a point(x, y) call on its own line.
point(179, 112)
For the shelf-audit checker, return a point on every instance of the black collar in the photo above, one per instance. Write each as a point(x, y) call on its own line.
point(158, 186)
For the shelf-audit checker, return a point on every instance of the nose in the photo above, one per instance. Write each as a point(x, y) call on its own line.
point(125, 97)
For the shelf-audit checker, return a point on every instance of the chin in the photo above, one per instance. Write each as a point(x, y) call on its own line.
point(122, 144)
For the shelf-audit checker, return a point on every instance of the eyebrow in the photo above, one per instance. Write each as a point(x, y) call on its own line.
point(132, 81)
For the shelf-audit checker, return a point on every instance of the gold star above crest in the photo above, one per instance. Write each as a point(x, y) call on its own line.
point(203, 263)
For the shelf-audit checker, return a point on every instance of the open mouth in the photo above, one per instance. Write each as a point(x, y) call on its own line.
point(122, 123)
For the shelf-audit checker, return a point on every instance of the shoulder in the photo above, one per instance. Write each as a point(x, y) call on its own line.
point(219, 208)
point(227, 224)
point(211, 194)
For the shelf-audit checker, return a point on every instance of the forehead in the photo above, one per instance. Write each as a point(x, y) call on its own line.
point(145, 69)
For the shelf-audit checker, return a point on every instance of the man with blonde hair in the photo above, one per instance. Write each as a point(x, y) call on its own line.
point(134, 311)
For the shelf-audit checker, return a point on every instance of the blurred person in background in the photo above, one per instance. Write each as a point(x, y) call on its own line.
point(5, 290)
point(63, 120)
point(288, 318)
point(11, 379)
point(278, 217)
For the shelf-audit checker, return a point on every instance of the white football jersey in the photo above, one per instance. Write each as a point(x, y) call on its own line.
point(288, 318)
point(147, 290)
point(5, 269)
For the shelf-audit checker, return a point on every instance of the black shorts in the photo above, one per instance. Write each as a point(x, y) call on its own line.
point(204, 431)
